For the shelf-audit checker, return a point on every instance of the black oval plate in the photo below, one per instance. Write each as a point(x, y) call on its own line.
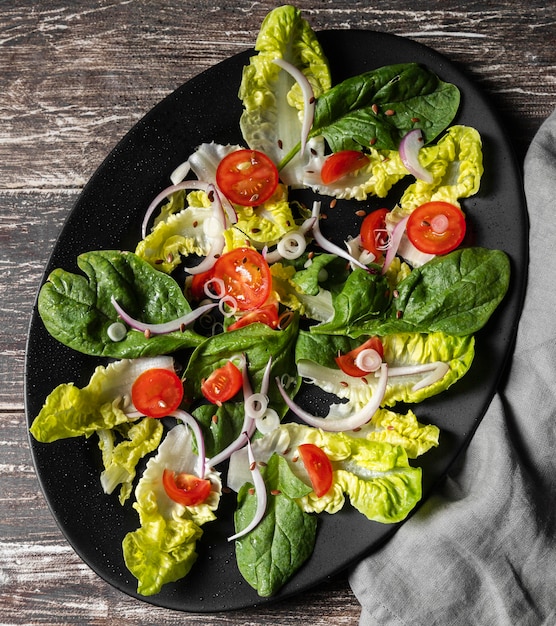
point(108, 214)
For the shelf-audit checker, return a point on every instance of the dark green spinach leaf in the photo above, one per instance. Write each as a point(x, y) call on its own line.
point(270, 554)
point(76, 309)
point(365, 296)
point(383, 105)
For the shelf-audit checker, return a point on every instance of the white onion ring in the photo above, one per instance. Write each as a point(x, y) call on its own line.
point(268, 421)
point(188, 419)
point(232, 304)
point(275, 256)
point(165, 327)
point(352, 422)
point(368, 360)
point(214, 282)
point(409, 154)
point(292, 245)
point(308, 98)
point(260, 491)
point(256, 405)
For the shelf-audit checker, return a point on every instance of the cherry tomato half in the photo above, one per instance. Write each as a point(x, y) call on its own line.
point(157, 392)
point(318, 467)
point(346, 362)
point(266, 315)
point(246, 277)
point(197, 286)
point(436, 227)
point(185, 489)
point(341, 164)
point(247, 177)
point(222, 384)
point(373, 232)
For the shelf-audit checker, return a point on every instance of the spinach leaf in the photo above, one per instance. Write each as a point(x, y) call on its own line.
point(76, 310)
point(271, 553)
point(220, 425)
point(382, 105)
point(365, 296)
point(258, 342)
point(455, 294)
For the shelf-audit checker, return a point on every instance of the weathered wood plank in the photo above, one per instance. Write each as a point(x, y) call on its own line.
point(76, 78)
point(29, 225)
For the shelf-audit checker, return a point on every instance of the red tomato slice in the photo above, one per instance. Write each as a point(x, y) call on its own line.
point(373, 232)
point(246, 277)
point(222, 384)
point(318, 466)
point(266, 315)
point(341, 164)
point(185, 489)
point(157, 392)
point(436, 227)
point(346, 362)
point(247, 177)
point(197, 286)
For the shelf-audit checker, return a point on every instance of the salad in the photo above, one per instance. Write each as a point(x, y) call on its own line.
point(236, 309)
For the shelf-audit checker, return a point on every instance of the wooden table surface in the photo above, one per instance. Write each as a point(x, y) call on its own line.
point(75, 76)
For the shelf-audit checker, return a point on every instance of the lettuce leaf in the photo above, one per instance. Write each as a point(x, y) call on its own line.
point(383, 171)
point(315, 362)
point(120, 458)
point(401, 430)
point(77, 310)
point(178, 232)
point(69, 411)
point(375, 475)
point(456, 163)
point(262, 225)
point(271, 121)
point(162, 549)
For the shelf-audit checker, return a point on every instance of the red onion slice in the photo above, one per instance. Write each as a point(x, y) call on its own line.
point(327, 245)
point(308, 98)
point(248, 427)
point(166, 327)
point(190, 421)
point(166, 193)
point(437, 369)
point(395, 241)
point(410, 146)
point(260, 491)
point(356, 420)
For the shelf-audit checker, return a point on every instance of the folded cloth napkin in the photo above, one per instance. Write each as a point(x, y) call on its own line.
point(482, 549)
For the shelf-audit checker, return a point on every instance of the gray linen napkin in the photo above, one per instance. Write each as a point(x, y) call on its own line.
point(482, 549)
